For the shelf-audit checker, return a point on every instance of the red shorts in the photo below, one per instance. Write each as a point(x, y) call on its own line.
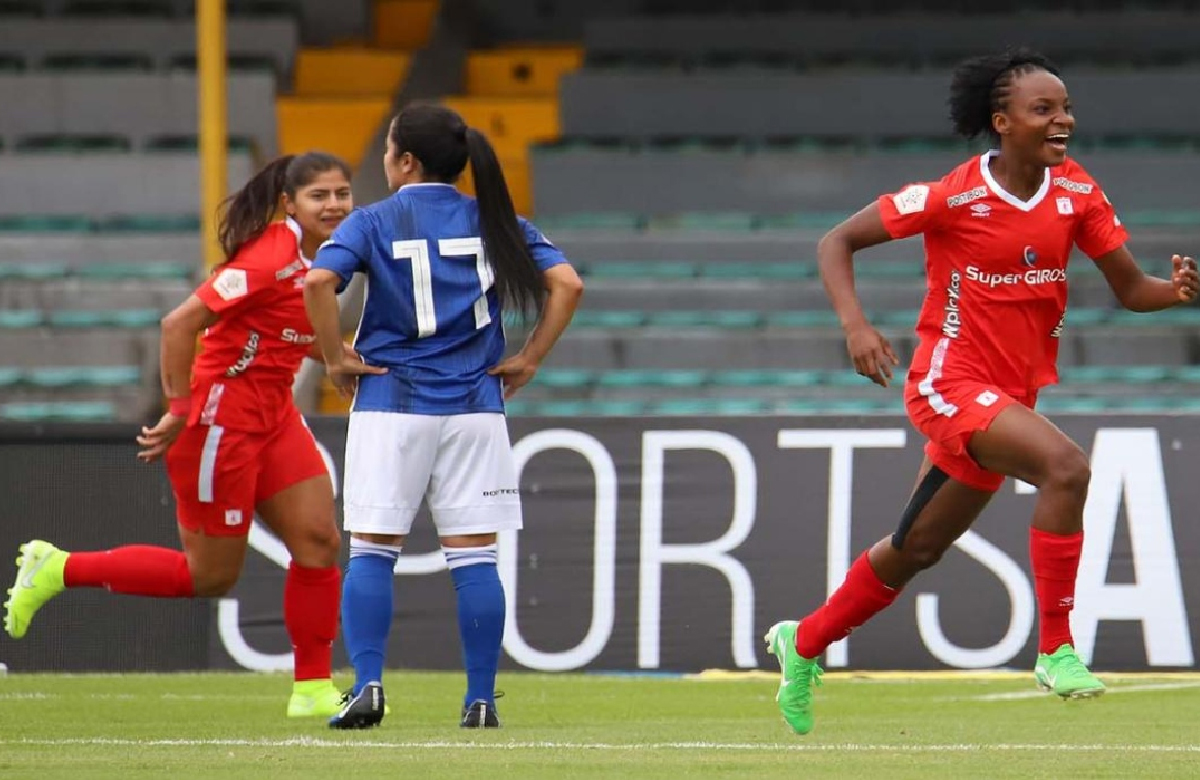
point(219, 475)
point(949, 415)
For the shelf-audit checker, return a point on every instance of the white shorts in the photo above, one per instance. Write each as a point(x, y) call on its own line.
point(461, 464)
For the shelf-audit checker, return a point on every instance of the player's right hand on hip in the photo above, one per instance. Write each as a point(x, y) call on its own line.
point(871, 354)
point(157, 440)
point(345, 373)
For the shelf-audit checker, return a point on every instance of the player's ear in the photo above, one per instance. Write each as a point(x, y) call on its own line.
point(1001, 123)
point(289, 206)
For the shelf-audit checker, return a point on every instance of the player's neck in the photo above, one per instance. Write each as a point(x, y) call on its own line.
point(1020, 179)
point(309, 246)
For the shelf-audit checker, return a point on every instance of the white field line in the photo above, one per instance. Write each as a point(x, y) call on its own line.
point(1014, 695)
point(852, 747)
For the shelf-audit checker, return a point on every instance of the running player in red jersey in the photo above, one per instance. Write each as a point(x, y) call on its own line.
point(998, 231)
point(233, 439)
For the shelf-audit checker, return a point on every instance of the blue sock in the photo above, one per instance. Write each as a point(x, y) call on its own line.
point(480, 616)
point(367, 608)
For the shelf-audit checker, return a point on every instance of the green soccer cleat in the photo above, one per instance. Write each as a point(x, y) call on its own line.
point(1064, 674)
point(39, 579)
point(314, 699)
point(799, 676)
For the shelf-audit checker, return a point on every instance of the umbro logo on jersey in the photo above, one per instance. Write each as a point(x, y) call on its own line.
point(981, 210)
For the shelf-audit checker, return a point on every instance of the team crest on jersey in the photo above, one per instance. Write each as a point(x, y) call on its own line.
point(1065, 206)
point(911, 199)
point(1030, 257)
point(231, 283)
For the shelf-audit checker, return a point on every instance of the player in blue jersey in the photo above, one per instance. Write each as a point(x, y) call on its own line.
point(428, 416)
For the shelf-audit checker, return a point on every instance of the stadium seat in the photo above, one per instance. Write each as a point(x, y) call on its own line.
point(634, 378)
point(709, 406)
point(94, 411)
point(243, 62)
point(728, 320)
point(1069, 375)
point(607, 221)
point(20, 318)
point(32, 271)
point(11, 62)
point(150, 223)
point(766, 378)
point(724, 221)
point(565, 378)
point(97, 61)
point(10, 376)
point(759, 271)
point(118, 8)
point(11, 9)
point(608, 319)
point(64, 143)
point(120, 318)
point(263, 8)
point(83, 376)
point(648, 270)
point(130, 271)
point(803, 319)
point(813, 220)
point(184, 142)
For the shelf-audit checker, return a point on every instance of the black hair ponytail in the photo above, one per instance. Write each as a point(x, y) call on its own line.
point(247, 212)
point(518, 280)
point(443, 144)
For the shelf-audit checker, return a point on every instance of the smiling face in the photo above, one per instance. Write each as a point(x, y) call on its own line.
point(321, 205)
point(1036, 122)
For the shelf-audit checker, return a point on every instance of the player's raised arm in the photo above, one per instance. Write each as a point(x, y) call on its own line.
point(869, 350)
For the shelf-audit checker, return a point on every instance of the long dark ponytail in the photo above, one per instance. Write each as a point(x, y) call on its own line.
point(443, 144)
point(246, 213)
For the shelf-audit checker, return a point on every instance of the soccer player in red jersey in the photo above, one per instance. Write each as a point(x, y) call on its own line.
point(998, 231)
point(232, 437)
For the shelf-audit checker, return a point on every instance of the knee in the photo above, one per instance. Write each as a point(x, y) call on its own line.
point(211, 584)
point(1069, 472)
point(921, 551)
point(317, 546)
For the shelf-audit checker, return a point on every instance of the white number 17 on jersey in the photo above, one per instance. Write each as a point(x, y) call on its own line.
point(417, 251)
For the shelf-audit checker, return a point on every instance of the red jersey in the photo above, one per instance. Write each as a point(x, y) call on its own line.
point(997, 269)
point(242, 378)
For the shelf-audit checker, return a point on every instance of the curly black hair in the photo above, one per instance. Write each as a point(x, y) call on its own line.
point(980, 86)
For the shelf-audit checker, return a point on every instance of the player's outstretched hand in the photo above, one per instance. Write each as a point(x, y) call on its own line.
point(157, 440)
point(345, 372)
point(1185, 278)
point(871, 353)
point(514, 372)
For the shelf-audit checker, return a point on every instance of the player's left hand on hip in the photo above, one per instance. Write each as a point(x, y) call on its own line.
point(1185, 278)
point(514, 372)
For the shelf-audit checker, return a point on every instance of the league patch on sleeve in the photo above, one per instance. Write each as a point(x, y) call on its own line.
point(911, 199)
point(231, 283)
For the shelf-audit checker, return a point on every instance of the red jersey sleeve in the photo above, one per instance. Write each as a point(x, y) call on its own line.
point(1100, 230)
point(917, 208)
point(251, 273)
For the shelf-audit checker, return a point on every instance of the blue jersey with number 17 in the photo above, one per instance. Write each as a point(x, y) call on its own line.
point(432, 315)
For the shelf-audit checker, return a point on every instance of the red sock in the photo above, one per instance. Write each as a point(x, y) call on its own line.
point(136, 570)
point(860, 597)
point(1055, 560)
point(310, 612)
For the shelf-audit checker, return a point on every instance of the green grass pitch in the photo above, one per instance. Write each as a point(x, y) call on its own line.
point(593, 726)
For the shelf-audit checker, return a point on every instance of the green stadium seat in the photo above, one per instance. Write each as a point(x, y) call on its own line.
point(564, 378)
point(700, 407)
point(1087, 316)
point(759, 271)
point(647, 270)
point(45, 223)
point(1181, 315)
point(614, 408)
point(766, 378)
point(1161, 218)
point(920, 144)
point(10, 376)
point(20, 318)
point(117, 318)
point(97, 61)
point(816, 318)
point(1051, 404)
point(83, 376)
point(608, 221)
point(134, 318)
point(727, 320)
point(609, 319)
point(559, 409)
point(897, 318)
point(93, 411)
point(813, 220)
point(150, 223)
point(124, 271)
point(32, 271)
point(1114, 374)
point(652, 378)
point(66, 143)
point(1189, 374)
point(11, 62)
point(191, 143)
point(723, 221)
point(888, 270)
